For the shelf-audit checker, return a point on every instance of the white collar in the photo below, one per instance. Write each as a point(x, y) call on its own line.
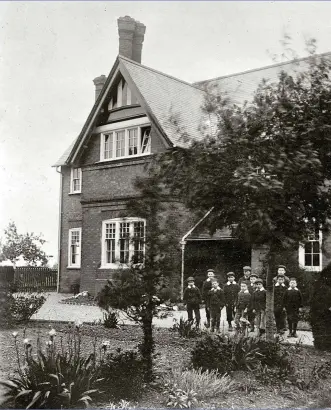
point(190, 287)
point(293, 288)
point(277, 284)
point(245, 291)
point(208, 279)
point(218, 288)
point(231, 283)
point(261, 289)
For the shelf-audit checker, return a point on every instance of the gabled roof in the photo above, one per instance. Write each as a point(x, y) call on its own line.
point(172, 105)
point(241, 87)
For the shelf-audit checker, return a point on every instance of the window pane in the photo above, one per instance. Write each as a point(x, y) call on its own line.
point(138, 241)
point(74, 247)
point(145, 140)
point(308, 261)
point(308, 247)
point(108, 147)
point(124, 241)
point(133, 141)
point(120, 144)
point(110, 243)
point(316, 247)
point(316, 260)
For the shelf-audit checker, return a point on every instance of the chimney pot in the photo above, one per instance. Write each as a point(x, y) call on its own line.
point(99, 82)
point(138, 40)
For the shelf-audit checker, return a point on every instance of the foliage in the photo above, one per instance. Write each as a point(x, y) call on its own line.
point(185, 328)
point(56, 378)
point(26, 246)
point(122, 373)
point(23, 306)
point(320, 310)
point(178, 398)
point(206, 384)
point(246, 354)
point(110, 320)
point(265, 171)
point(122, 405)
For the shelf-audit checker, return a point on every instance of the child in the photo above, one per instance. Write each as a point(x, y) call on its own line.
point(292, 302)
point(245, 278)
point(281, 271)
point(279, 313)
point(216, 304)
point(192, 300)
point(242, 303)
point(259, 305)
point(205, 293)
point(251, 288)
point(231, 290)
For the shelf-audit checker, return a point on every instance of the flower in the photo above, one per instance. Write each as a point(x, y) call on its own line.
point(52, 332)
point(15, 334)
point(49, 343)
point(175, 307)
point(105, 344)
point(26, 341)
point(31, 306)
point(78, 323)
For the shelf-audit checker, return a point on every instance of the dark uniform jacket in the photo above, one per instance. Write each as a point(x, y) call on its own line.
point(292, 299)
point(205, 290)
point(243, 300)
point(279, 291)
point(216, 297)
point(231, 291)
point(259, 298)
point(192, 296)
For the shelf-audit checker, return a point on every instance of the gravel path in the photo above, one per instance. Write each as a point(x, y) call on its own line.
point(53, 310)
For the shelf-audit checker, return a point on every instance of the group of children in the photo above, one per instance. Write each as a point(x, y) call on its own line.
point(245, 301)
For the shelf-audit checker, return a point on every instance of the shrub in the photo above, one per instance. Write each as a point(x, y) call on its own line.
point(23, 306)
point(185, 328)
point(110, 320)
point(274, 354)
point(246, 354)
point(213, 352)
point(54, 378)
point(122, 405)
point(122, 373)
point(206, 384)
point(178, 398)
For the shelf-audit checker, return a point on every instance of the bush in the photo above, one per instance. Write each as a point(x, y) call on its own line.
point(23, 306)
point(110, 320)
point(206, 384)
point(185, 328)
point(54, 378)
point(122, 373)
point(178, 398)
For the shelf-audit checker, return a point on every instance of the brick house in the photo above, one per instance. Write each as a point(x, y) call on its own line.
point(139, 111)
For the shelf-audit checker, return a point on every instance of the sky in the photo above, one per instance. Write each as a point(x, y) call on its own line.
point(51, 51)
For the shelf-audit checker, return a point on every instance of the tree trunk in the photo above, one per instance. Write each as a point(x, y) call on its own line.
point(270, 298)
point(147, 346)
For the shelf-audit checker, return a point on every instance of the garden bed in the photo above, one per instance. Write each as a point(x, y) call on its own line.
point(171, 351)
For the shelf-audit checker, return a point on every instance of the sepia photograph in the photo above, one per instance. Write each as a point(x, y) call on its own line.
point(165, 211)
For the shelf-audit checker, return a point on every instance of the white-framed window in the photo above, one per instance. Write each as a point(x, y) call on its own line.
point(74, 251)
point(123, 242)
point(310, 253)
point(118, 141)
point(76, 181)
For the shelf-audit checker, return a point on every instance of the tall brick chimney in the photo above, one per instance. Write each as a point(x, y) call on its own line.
point(131, 38)
point(99, 82)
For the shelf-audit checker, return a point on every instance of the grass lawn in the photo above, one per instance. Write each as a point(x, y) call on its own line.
point(172, 351)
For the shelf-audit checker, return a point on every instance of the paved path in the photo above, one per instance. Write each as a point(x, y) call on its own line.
point(52, 310)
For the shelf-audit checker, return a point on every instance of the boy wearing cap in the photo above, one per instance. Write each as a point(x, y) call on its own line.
point(279, 311)
point(231, 290)
point(292, 302)
point(242, 304)
point(281, 271)
point(206, 287)
point(192, 300)
point(216, 304)
point(245, 278)
point(251, 288)
point(259, 298)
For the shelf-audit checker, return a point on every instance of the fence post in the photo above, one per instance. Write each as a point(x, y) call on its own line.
point(6, 284)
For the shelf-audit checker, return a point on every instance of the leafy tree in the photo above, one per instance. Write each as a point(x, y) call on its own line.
point(26, 246)
point(138, 291)
point(266, 171)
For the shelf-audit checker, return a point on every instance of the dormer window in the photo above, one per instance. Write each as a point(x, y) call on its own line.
point(125, 142)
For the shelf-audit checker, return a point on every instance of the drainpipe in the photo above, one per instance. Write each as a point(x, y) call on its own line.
point(59, 232)
point(183, 243)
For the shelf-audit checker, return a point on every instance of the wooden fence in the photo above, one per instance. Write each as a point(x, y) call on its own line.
point(31, 278)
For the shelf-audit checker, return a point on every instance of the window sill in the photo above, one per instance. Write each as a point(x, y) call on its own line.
point(124, 158)
point(75, 193)
point(312, 268)
point(115, 267)
point(73, 267)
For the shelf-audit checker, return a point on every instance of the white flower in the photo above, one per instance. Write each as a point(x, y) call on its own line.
point(31, 306)
point(175, 307)
point(156, 298)
point(26, 341)
point(106, 343)
point(78, 323)
point(15, 334)
point(52, 332)
point(49, 343)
